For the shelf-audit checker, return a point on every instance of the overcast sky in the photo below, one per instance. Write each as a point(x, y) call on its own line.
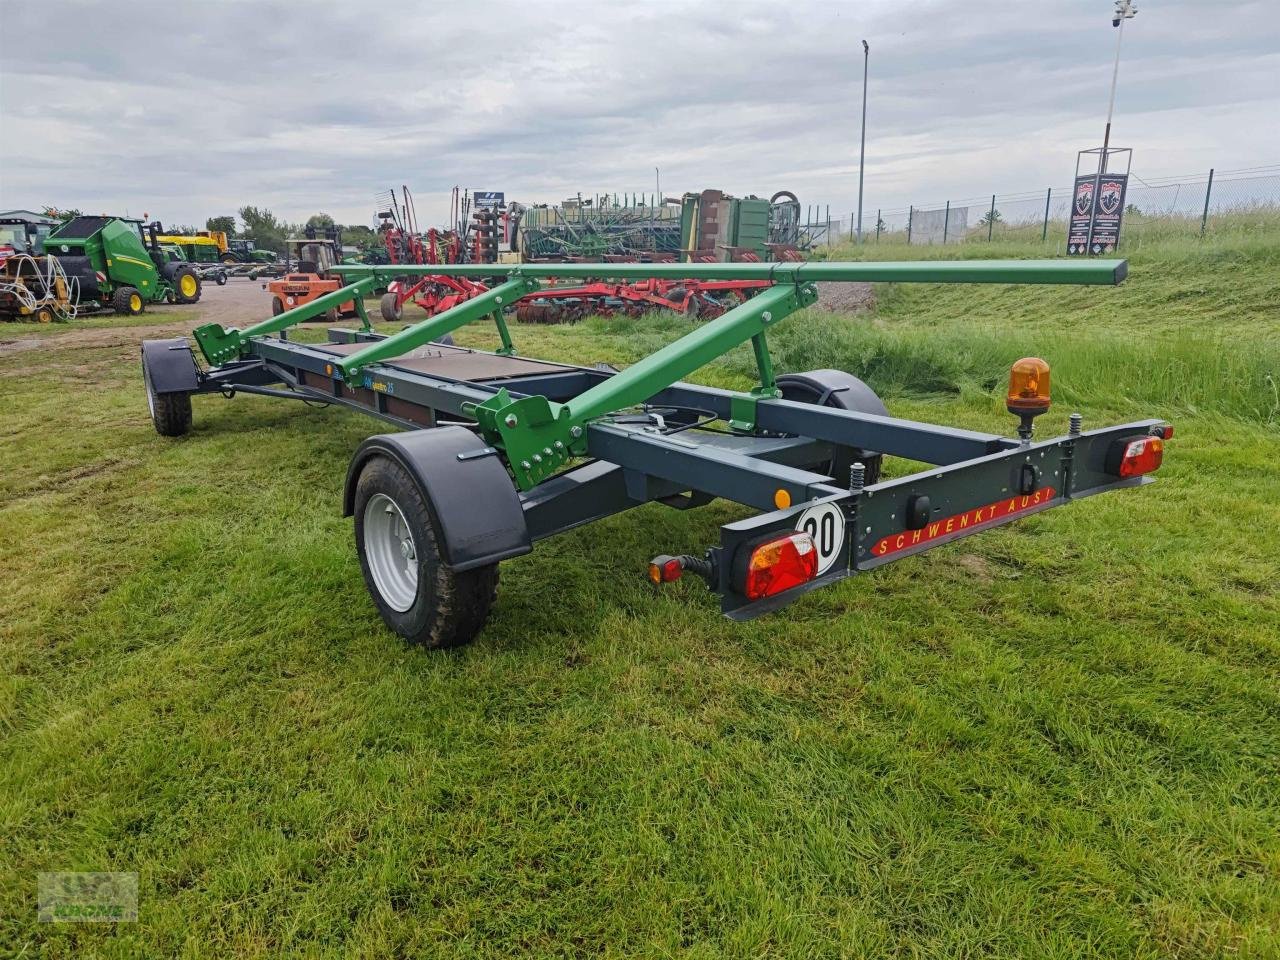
point(186, 110)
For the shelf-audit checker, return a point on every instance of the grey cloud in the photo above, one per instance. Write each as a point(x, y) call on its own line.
point(141, 106)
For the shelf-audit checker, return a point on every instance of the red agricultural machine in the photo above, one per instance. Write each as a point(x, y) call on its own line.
point(711, 228)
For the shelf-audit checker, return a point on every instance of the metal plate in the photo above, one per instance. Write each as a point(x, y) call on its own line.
point(454, 363)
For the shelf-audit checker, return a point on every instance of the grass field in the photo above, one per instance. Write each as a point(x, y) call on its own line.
point(1058, 739)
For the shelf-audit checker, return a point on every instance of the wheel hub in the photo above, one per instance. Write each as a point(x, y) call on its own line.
point(390, 552)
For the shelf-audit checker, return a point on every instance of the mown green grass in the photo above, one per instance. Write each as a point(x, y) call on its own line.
point(1057, 739)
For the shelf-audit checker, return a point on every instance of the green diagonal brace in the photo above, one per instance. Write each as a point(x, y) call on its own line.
point(219, 345)
point(485, 304)
point(540, 436)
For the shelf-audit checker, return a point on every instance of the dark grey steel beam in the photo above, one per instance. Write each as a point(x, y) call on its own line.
point(694, 466)
point(926, 442)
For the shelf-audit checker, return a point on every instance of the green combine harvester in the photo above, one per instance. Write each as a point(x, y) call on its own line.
point(120, 264)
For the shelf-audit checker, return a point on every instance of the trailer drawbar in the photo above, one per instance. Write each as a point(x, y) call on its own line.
point(496, 451)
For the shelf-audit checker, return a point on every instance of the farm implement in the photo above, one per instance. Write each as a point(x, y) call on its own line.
point(498, 451)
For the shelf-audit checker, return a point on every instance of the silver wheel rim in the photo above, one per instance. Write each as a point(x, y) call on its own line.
point(390, 552)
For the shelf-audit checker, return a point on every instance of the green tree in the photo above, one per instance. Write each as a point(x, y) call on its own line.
point(321, 221)
point(226, 224)
point(264, 228)
point(991, 216)
point(62, 216)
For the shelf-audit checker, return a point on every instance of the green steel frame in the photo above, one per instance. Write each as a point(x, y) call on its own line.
point(540, 436)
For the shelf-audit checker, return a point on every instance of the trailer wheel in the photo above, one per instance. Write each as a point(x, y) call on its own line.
point(186, 284)
point(44, 315)
point(391, 308)
point(221, 278)
point(170, 412)
point(419, 597)
point(277, 306)
point(127, 300)
point(844, 391)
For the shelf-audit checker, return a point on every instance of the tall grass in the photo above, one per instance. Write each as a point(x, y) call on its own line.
point(1194, 328)
point(1190, 372)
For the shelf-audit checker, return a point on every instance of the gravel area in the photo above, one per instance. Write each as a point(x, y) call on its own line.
point(846, 297)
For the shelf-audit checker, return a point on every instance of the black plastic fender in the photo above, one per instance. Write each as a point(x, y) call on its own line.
point(832, 388)
point(170, 366)
point(475, 509)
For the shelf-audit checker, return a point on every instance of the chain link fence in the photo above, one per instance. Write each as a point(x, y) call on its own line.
point(1166, 206)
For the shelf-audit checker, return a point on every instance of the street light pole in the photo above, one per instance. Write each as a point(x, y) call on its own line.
point(862, 159)
point(1125, 10)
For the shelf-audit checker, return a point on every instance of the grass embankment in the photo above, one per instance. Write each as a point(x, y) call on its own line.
point(1059, 738)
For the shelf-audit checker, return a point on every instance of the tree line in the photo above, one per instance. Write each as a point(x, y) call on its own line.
point(269, 232)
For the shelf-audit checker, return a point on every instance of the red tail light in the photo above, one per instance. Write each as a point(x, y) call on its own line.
point(777, 565)
point(1135, 456)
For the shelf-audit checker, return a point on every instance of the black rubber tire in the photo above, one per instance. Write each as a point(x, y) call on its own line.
point(332, 315)
point(220, 278)
point(844, 391)
point(277, 306)
point(123, 301)
point(391, 309)
point(178, 275)
point(450, 608)
point(170, 412)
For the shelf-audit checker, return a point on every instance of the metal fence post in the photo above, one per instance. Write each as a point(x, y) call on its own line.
point(991, 218)
point(877, 224)
point(1044, 231)
point(851, 226)
point(1204, 217)
point(911, 215)
point(946, 222)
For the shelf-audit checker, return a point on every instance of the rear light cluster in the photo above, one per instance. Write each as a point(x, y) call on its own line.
point(777, 565)
point(1141, 456)
point(1135, 456)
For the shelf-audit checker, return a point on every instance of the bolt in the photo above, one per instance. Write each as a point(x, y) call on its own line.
point(511, 420)
point(575, 432)
point(1075, 421)
point(546, 451)
point(525, 465)
point(537, 458)
point(857, 477)
point(497, 299)
point(767, 317)
point(559, 445)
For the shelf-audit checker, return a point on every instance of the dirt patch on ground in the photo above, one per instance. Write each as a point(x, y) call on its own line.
point(976, 566)
point(846, 297)
point(238, 304)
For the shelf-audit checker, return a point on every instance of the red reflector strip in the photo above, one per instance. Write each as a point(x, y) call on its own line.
point(1142, 456)
point(779, 565)
point(962, 521)
point(1166, 432)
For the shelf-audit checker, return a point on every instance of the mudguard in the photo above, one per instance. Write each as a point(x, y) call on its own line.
point(475, 509)
point(170, 366)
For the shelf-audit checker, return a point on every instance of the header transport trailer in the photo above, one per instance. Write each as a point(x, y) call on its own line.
point(499, 451)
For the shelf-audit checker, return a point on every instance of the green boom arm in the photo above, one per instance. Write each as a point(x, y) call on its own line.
point(909, 271)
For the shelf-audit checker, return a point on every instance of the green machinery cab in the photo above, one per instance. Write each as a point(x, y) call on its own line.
point(119, 264)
